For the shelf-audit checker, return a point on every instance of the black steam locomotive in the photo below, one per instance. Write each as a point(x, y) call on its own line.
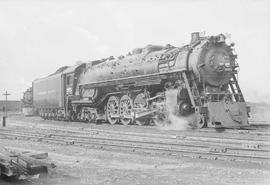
point(134, 87)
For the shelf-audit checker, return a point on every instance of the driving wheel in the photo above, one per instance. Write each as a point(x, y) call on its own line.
point(112, 110)
point(126, 110)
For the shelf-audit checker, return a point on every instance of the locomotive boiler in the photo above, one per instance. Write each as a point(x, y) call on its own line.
point(133, 87)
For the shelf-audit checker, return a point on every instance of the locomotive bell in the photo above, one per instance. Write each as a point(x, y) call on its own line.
point(194, 37)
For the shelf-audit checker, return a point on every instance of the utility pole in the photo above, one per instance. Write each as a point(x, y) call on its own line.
point(5, 109)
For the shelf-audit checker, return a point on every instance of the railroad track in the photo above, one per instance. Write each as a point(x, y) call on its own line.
point(212, 141)
point(198, 146)
point(208, 135)
point(253, 129)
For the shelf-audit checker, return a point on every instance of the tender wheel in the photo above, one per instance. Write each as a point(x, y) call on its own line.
point(73, 116)
point(112, 109)
point(126, 110)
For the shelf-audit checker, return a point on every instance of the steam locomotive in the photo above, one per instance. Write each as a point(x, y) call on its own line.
point(133, 87)
point(27, 103)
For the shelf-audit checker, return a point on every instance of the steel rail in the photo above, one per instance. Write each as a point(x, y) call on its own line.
point(245, 143)
point(261, 129)
point(140, 145)
point(212, 136)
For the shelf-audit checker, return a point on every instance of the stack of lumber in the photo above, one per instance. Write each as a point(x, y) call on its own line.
point(23, 165)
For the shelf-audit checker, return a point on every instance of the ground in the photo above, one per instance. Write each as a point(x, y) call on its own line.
point(85, 166)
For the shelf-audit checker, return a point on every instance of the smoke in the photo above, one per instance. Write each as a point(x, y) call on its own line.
point(173, 122)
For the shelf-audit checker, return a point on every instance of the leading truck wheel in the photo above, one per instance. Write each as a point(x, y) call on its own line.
point(184, 108)
point(112, 110)
point(201, 121)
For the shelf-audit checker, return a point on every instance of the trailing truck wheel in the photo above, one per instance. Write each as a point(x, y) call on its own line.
point(112, 110)
point(126, 110)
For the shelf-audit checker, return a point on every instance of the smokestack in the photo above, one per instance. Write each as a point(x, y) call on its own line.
point(194, 37)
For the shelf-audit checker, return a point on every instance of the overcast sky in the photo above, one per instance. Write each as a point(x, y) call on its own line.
point(37, 37)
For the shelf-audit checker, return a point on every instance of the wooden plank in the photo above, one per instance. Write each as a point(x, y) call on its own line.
point(19, 164)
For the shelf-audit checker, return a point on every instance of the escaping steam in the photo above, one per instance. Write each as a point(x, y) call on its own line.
point(173, 121)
